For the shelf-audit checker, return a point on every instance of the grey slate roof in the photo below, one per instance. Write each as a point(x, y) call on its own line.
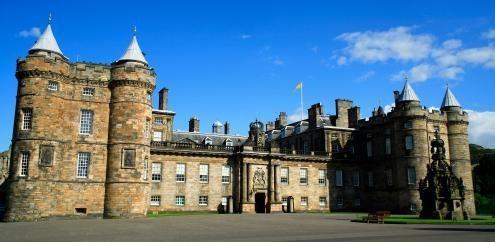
point(408, 93)
point(449, 99)
point(198, 138)
point(47, 42)
point(133, 52)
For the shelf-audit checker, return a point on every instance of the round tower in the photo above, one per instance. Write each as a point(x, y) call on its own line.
point(457, 128)
point(35, 142)
point(132, 83)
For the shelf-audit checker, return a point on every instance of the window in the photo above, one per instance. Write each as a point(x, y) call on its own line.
point(357, 202)
point(388, 146)
point(157, 136)
point(203, 200)
point(371, 181)
point(284, 175)
point(156, 171)
point(388, 177)
point(411, 176)
point(128, 158)
point(355, 178)
point(413, 207)
point(224, 201)
point(86, 125)
point(147, 128)
point(23, 171)
point(369, 148)
point(180, 173)
point(208, 141)
point(203, 173)
point(304, 201)
point(180, 200)
point(339, 178)
point(408, 124)
point(53, 86)
point(27, 118)
point(158, 120)
point(339, 201)
point(321, 177)
point(436, 128)
point(225, 174)
point(409, 142)
point(284, 201)
point(155, 200)
point(323, 201)
point(88, 91)
point(83, 159)
point(303, 176)
point(145, 169)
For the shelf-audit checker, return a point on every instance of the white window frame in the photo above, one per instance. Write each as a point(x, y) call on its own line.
point(204, 173)
point(411, 176)
point(355, 178)
point(180, 172)
point(322, 178)
point(180, 200)
point(339, 178)
point(323, 201)
point(27, 119)
point(53, 86)
point(83, 161)
point(304, 201)
point(156, 172)
point(224, 201)
point(203, 201)
point(225, 174)
point(303, 176)
point(284, 175)
point(24, 163)
point(155, 200)
point(284, 200)
point(158, 120)
point(88, 91)
point(86, 122)
point(157, 135)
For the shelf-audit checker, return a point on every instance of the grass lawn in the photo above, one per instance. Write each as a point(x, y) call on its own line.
point(414, 219)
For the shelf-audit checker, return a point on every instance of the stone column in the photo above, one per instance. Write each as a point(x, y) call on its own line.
point(244, 179)
point(272, 183)
point(248, 181)
point(276, 179)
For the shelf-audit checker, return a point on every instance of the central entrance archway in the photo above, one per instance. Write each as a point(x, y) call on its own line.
point(259, 199)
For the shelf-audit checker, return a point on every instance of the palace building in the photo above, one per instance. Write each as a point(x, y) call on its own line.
point(87, 142)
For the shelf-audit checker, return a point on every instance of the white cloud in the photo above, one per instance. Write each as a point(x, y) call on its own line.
point(482, 128)
point(420, 73)
point(452, 44)
point(246, 36)
point(277, 61)
point(388, 108)
point(342, 60)
point(365, 76)
point(479, 56)
point(380, 46)
point(33, 32)
point(296, 116)
point(490, 34)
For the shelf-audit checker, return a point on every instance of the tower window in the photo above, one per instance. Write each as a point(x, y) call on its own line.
point(27, 118)
point(411, 176)
point(408, 124)
point(409, 142)
point(388, 146)
point(83, 159)
point(23, 171)
point(88, 91)
point(53, 85)
point(86, 122)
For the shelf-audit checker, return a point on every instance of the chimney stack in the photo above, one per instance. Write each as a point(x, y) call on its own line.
point(194, 124)
point(226, 128)
point(163, 99)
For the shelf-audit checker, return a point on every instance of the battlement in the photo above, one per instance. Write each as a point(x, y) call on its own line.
point(91, 71)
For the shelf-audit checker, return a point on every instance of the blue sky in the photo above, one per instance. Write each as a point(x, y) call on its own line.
point(238, 61)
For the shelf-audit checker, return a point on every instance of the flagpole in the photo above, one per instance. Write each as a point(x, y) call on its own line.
point(302, 109)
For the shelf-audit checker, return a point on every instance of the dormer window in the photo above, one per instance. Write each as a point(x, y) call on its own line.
point(208, 141)
point(53, 86)
point(228, 142)
point(88, 91)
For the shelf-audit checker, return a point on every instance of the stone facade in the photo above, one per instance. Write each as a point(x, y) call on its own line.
point(87, 142)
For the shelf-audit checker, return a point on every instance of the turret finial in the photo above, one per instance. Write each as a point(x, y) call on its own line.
point(134, 30)
point(50, 18)
point(406, 78)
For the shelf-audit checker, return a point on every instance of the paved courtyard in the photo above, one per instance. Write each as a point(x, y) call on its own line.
point(252, 227)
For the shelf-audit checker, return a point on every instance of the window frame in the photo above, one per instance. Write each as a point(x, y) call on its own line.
point(411, 176)
point(180, 200)
point(86, 119)
point(155, 137)
point(203, 200)
point(303, 176)
point(88, 91)
point(282, 177)
point(155, 200)
point(27, 119)
point(322, 178)
point(82, 165)
point(322, 201)
point(339, 178)
point(204, 173)
point(53, 86)
point(226, 170)
point(408, 142)
point(156, 171)
point(304, 201)
point(24, 159)
point(371, 179)
point(180, 177)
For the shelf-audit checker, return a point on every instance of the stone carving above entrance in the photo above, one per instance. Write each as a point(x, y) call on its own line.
point(259, 178)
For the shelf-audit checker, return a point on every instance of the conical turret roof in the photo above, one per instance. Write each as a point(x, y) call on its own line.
point(449, 99)
point(133, 52)
point(47, 42)
point(408, 93)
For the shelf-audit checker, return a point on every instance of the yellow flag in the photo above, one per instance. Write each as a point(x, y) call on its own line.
point(299, 86)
